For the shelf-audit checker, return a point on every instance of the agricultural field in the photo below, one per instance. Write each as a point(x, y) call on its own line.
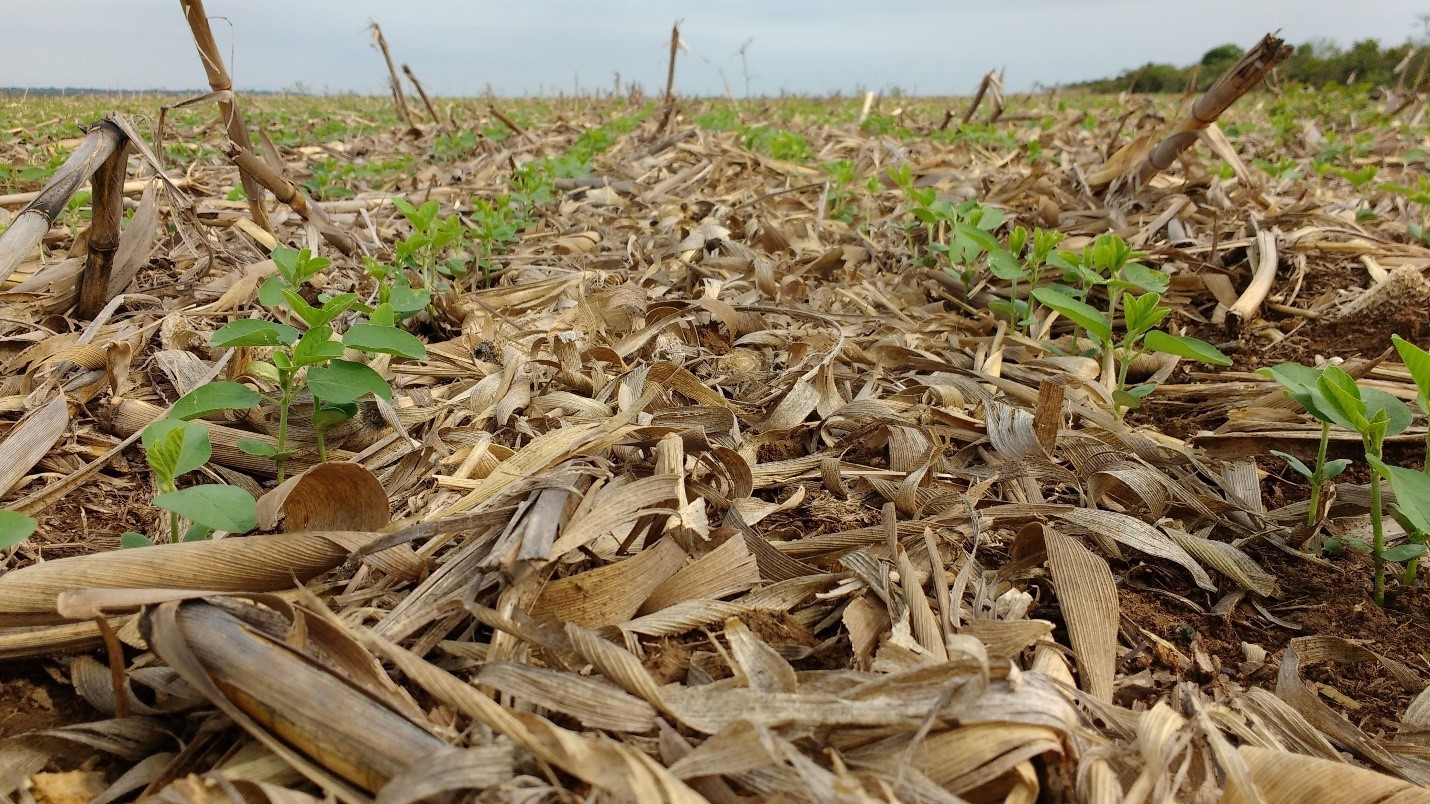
point(624, 448)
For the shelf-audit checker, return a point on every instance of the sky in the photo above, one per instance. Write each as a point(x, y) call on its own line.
point(464, 47)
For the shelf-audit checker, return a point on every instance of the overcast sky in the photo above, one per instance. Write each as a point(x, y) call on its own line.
point(459, 47)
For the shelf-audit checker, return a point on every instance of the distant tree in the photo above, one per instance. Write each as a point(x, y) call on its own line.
point(1223, 55)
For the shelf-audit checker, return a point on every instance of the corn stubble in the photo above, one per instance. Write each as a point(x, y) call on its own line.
point(698, 497)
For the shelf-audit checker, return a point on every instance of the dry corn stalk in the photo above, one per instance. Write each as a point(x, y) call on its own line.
point(220, 82)
point(102, 142)
point(1235, 82)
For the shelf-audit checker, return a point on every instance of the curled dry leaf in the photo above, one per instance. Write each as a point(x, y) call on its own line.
point(329, 496)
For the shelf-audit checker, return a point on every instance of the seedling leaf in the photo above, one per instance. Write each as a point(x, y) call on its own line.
point(131, 539)
point(386, 340)
point(14, 528)
point(1412, 492)
point(256, 448)
point(174, 447)
point(1417, 360)
point(1084, 315)
point(213, 397)
point(215, 506)
point(1403, 553)
point(252, 332)
point(345, 381)
point(1185, 346)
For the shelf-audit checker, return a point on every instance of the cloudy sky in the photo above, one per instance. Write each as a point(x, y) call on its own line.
point(460, 47)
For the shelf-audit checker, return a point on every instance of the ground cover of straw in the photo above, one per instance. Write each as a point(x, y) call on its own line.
point(833, 542)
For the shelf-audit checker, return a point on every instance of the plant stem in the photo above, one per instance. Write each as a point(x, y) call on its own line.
point(322, 445)
point(173, 528)
point(285, 401)
point(1377, 526)
point(1319, 475)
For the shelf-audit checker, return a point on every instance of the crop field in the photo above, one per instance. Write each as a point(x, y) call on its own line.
point(630, 448)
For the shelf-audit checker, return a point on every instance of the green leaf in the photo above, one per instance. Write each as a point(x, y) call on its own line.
point(287, 261)
point(1124, 399)
point(14, 528)
point(1412, 492)
point(407, 300)
point(1148, 279)
point(1342, 394)
point(1295, 463)
point(383, 315)
point(256, 448)
point(330, 413)
point(175, 447)
point(345, 381)
point(1142, 312)
point(316, 347)
point(386, 340)
point(1185, 346)
point(252, 332)
point(197, 533)
point(1402, 553)
point(312, 316)
point(1300, 384)
point(263, 370)
point(1333, 468)
point(1398, 416)
point(131, 539)
point(219, 507)
point(1084, 315)
point(1417, 360)
point(213, 397)
point(270, 293)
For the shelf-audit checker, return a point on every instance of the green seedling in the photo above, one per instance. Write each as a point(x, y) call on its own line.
point(1374, 414)
point(1412, 510)
point(1417, 361)
point(1140, 314)
point(312, 359)
point(14, 528)
point(431, 248)
point(1418, 195)
point(175, 447)
point(1301, 384)
point(844, 184)
point(1030, 257)
point(395, 289)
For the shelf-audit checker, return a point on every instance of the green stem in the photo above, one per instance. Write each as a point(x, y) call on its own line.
point(285, 401)
point(173, 528)
point(322, 445)
point(1319, 475)
point(1377, 529)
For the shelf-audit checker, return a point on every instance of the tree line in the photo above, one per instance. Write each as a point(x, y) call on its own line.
point(1316, 64)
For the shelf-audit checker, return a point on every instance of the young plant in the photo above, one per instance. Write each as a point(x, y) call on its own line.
point(1301, 384)
point(433, 239)
point(1038, 247)
point(312, 359)
point(1418, 195)
point(1374, 414)
point(1140, 315)
point(174, 447)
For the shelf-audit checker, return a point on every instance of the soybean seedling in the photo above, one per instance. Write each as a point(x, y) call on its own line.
point(1301, 385)
point(1412, 489)
point(175, 447)
point(312, 359)
point(1374, 414)
point(1140, 315)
